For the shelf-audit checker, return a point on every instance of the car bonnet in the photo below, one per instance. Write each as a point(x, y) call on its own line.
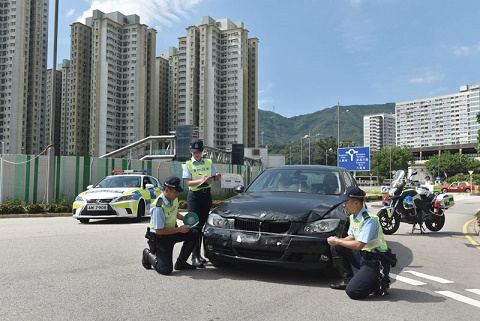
point(282, 207)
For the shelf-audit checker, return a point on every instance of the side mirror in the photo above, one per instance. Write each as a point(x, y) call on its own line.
point(89, 186)
point(239, 189)
point(148, 186)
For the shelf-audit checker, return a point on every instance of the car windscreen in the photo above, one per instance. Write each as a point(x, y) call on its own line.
point(301, 181)
point(119, 181)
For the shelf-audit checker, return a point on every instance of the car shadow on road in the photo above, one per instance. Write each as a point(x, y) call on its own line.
point(264, 273)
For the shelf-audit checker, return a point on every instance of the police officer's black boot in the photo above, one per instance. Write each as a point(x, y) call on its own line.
point(197, 260)
point(145, 259)
point(182, 264)
point(148, 259)
point(345, 270)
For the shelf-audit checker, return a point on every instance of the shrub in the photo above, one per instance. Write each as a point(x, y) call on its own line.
point(11, 208)
point(182, 204)
point(36, 208)
point(215, 203)
point(60, 207)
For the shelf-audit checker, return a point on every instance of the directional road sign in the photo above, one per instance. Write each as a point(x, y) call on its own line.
point(354, 158)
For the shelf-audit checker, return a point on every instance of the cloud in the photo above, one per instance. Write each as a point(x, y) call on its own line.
point(427, 78)
point(466, 50)
point(70, 13)
point(161, 13)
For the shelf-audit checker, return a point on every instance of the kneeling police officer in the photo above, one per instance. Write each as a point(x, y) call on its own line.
point(163, 232)
point(364, 247)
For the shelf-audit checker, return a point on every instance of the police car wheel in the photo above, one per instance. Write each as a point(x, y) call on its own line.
point(84, 220)
point(140, 211)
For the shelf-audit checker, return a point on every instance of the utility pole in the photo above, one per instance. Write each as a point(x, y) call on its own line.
point(51, 149)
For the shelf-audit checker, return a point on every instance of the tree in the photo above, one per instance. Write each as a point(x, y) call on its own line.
point(447, 165)
point(390, 159)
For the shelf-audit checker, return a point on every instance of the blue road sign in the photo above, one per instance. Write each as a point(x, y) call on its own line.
point(354, 158)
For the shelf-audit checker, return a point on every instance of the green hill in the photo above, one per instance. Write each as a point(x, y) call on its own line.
point(279, 129)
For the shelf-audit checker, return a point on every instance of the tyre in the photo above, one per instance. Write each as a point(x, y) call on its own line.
point(444, 190)
point(435, 222)
point(140, 211)
point(84, 220)
point(467, 190)
point(389, 224)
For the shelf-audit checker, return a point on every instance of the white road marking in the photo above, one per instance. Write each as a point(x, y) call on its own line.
point(429, 277)
point(460, 298)
point(406, 280)
point(476, 291)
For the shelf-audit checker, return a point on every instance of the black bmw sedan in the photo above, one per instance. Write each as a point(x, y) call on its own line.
point(282, 218)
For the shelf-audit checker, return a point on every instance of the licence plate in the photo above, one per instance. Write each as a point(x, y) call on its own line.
point(97, 207)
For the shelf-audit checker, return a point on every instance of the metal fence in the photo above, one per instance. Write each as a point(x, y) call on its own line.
point(25, 176)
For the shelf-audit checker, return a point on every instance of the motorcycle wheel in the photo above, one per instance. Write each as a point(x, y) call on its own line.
point(435, 223)
point(389, 224)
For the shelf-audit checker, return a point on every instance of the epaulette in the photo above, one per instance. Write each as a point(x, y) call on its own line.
point(365, 215)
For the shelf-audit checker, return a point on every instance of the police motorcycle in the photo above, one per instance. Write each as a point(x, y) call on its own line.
point(416, 206)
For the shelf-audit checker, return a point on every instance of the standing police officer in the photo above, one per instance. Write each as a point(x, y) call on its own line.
point(199, 199)
point(164, 232)
point(364, 247)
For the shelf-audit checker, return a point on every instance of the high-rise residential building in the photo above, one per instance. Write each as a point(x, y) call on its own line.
point(57, 110)
point(64, 117)
point(379, 131)
point(215, 82)
point(114, 55)
point(448, 120)
point(23, 61)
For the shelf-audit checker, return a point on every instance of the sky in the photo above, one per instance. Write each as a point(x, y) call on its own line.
point(315, 54)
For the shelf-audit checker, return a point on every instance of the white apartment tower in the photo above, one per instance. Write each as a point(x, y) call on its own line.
point(439, 121)
point(215, 83)
point(379, 131)
point(23, 68)
point(114, 55)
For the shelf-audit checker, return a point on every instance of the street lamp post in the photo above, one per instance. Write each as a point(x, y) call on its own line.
point(326, 155)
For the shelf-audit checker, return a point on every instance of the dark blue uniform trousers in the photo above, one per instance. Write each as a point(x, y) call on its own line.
point(362, 283)
point(164, 248)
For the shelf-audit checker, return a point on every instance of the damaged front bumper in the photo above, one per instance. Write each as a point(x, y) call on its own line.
point(307, 252)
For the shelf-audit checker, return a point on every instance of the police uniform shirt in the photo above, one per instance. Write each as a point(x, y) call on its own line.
point(157, 214)
point(369, 230)
point(186, 173)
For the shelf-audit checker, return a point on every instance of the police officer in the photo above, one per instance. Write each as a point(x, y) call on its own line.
point(199, 198)
point(164, 232)
point(360, 248)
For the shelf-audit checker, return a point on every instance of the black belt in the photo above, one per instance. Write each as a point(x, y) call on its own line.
point(203, 190)
point(369, 256)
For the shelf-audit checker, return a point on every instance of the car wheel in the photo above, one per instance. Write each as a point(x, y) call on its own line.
point(140, 211)
point(444, 190)
point(467, 190)
point(84, 220)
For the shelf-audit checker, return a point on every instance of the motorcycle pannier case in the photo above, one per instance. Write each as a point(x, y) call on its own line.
point(445, 200)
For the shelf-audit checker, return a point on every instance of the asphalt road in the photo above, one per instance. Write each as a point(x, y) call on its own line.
point(55, 268)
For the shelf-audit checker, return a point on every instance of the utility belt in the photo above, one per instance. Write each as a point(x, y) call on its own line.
point(152, 237)
point(387, 256)
point(203, 190)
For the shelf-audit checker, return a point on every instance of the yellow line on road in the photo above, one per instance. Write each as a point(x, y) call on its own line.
point(465, 232)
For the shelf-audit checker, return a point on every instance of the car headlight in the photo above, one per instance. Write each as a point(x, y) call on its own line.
point(129, 197)
point(79, 199)
point(217, 220)
point(321, 226)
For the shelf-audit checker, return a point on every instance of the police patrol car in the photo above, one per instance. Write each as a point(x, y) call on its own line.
point(126, 193)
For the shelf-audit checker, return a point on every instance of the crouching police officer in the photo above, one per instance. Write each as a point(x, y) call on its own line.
point(163, 232)
point(364, 247)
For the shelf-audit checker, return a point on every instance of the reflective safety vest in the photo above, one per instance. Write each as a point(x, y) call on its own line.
point(198, 171)
point(169, 211)
point(372, 244)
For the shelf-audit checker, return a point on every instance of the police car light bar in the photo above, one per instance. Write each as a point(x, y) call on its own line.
point(129, 171)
